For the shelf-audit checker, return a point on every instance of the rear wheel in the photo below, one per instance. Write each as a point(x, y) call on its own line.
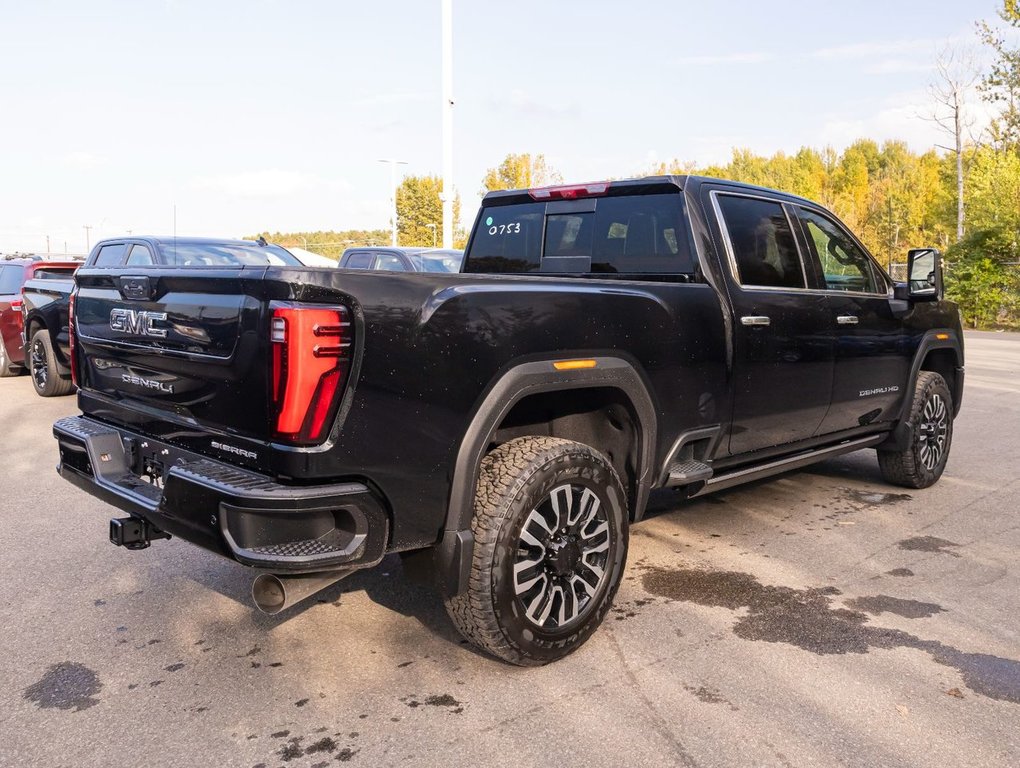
point(43, 367)
point(550, 545)
point(931, 415)
point(7, 368)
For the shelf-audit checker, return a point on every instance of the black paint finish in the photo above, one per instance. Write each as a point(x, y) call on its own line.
point(429, 349)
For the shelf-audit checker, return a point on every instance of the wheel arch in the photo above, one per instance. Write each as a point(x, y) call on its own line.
point(535, 396)
point(940, 351)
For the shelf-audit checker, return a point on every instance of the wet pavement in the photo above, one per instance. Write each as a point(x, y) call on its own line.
point(820, 618)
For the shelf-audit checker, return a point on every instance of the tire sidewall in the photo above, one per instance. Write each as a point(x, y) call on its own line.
point(582, 468)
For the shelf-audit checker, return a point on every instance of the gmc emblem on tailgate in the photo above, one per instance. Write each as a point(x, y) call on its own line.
point(137, 321)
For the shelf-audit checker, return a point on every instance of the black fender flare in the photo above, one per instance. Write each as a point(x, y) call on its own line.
point(456, 548)
point(902, 434)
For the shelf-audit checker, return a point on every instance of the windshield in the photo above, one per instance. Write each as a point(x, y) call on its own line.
point(225, 254)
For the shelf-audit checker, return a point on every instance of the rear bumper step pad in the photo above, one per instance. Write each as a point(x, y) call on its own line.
point(237, 513)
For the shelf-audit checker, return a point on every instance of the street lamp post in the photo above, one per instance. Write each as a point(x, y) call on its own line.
point(393, 188)
point(447, 194)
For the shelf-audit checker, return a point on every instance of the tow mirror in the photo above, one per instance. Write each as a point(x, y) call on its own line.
point(924, 274)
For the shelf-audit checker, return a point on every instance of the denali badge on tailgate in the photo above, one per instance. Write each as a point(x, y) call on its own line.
point(137, 321)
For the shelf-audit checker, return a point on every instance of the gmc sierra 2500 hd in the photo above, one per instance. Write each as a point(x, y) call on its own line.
point(505, 425)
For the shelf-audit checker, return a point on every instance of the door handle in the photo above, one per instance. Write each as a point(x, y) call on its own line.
point(847, 319)
point(755, 320)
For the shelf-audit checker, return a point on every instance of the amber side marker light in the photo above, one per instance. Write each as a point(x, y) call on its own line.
point(941, 336)
point(573, 365)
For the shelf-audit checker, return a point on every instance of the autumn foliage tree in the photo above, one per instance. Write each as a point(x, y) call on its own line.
point(522, 171)
point(420, 211)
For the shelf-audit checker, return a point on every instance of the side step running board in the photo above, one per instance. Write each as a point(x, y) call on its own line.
point(687, 472)
point(758, 471)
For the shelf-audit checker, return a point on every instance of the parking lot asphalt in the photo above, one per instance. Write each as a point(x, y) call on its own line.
point(821, 618)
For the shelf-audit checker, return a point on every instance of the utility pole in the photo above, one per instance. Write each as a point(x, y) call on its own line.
point(47, 243)
point(393, 188)
point(87, 228)
point(447, 193)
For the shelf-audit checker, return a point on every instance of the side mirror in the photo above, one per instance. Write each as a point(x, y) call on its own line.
point(924, 274)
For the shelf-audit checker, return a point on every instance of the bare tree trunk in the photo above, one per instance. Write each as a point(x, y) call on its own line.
point(959, 171)
point(955, 74)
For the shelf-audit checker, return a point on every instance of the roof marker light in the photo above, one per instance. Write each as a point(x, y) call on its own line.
point(570, 191)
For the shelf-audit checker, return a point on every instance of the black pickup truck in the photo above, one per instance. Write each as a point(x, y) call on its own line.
point(503, 427)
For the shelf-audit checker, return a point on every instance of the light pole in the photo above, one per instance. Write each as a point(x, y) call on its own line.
point(433, 228)
point(447, 194)
point(87, 228)
point(393, 188)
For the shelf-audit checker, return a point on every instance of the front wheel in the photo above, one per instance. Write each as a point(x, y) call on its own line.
point(931, 415)
point(550, 530)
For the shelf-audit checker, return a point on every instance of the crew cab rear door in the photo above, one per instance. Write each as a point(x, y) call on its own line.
point(783, 348)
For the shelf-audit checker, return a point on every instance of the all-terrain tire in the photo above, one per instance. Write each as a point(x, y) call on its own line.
point(931, 415)
point(42, 363)
point(526, 486)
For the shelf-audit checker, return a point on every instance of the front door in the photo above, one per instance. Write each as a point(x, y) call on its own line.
point(871, 356)
point(783, 353)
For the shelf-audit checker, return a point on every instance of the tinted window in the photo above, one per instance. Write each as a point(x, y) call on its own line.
point(139, 256)
point(508, 238)
point(11, 278)
point(762, 242)
point(110, 255)
point(53, 273)
point(845, 267)
point(226, 254)
point(359, 261)
point(632, 235)
point(438, 263)
point(389, 262)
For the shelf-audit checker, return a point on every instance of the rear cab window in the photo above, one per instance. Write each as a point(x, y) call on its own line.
point(110, 255)
point(53, 273)
point(641, 236)
point(359, 261)
point(761, 242)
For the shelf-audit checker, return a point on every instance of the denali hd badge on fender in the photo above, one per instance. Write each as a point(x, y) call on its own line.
point(137, 321)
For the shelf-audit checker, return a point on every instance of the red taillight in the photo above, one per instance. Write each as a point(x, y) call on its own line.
point(17, 304)
point(70, 339)
point(570, 192)
point(310, 358)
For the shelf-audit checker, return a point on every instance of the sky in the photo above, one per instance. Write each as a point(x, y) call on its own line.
point(261, 115)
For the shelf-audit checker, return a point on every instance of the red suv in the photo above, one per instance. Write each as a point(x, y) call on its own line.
point(13, 274)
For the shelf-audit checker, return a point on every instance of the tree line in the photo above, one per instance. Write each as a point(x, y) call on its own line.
point(964, 200)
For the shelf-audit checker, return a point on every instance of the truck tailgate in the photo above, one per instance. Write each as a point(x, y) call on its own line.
point(183, 342)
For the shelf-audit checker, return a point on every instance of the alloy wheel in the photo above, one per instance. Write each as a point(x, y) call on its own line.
point(932, 432)
point(39, 367)
point(561, 559)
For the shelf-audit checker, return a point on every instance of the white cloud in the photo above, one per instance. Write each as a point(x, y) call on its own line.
point(885, 48)
point(83, 161)
point(900, 66)
point(271, 182)
point(527, 104)
point(901, 117)
point(740, 57)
